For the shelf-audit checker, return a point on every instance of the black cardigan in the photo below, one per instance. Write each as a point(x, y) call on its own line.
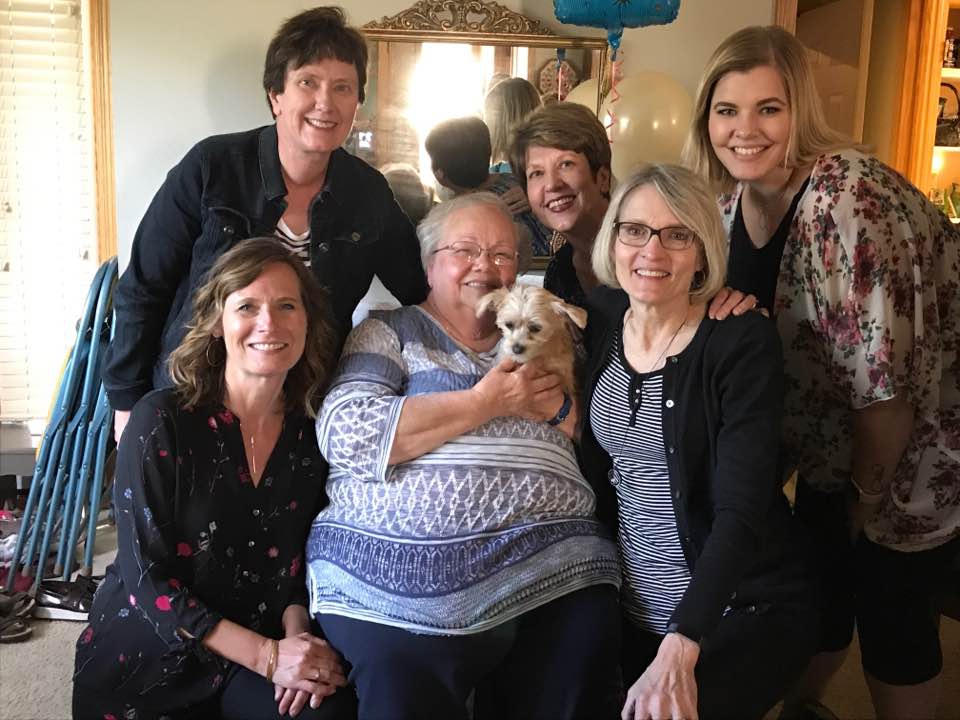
point(722, 437)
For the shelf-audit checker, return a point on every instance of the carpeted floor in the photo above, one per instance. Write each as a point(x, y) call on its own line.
point(35, 676)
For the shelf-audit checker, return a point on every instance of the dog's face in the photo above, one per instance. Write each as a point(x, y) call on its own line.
point(529, 317)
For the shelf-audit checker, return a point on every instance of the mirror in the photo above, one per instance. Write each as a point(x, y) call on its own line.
point(436, 61)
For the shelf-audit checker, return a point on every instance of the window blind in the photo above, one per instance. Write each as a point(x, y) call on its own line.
point(48, 248)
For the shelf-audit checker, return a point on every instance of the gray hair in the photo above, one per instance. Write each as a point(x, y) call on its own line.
point(431, 228)
point(689, 198)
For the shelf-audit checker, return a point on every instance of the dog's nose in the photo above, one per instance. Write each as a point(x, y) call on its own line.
point(518, 349)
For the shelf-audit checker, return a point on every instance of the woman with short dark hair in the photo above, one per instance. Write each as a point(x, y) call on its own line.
point(290, 180)
point(203, 611)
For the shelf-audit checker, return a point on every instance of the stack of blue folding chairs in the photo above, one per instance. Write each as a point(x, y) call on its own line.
point(69, 476)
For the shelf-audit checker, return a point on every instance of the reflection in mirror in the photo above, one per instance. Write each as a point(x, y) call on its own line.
point(437, 61)
point(414, 86)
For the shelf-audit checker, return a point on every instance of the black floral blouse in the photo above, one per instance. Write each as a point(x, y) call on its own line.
point(197, 543)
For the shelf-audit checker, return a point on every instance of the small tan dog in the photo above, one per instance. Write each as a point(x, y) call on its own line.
point(535, 324)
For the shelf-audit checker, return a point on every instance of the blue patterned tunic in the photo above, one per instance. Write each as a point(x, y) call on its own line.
point(487, 526)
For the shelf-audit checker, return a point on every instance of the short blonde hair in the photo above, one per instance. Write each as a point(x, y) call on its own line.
point(507, 103)
point(691, 200)
point(565, 126)
point(810, 136)
point(197, 364)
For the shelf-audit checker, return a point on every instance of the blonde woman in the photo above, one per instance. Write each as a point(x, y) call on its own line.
point(507, 103)
point(860, 271)
point(203, 611)
point(681, 443)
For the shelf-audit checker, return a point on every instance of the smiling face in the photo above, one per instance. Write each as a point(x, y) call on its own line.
point(749, 124)
point(650, 274)
point(316, 109)
point(264, 326)
point(456, 285)
point(563, 192)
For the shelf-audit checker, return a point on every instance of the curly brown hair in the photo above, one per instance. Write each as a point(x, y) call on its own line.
point(197, 365)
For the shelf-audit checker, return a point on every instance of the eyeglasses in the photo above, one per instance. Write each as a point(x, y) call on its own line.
point(638, 235)
point(468, 252)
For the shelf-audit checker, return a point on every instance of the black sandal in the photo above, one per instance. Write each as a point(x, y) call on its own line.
point(14, 629)
point(16, 605)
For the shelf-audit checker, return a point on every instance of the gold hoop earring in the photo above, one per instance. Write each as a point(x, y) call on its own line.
point(210, 345)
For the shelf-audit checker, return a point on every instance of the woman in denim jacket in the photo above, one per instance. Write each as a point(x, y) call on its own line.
point(291, 180)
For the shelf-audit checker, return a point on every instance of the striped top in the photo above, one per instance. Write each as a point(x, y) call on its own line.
point(487, 526)
point(655, 572)
point(299, 245)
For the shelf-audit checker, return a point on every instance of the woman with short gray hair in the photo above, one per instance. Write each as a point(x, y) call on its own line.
point(460, 542)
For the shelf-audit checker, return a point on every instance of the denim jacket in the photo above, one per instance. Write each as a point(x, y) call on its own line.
point(228, 188)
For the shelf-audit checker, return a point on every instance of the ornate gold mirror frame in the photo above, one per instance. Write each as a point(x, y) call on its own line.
point(483, 29)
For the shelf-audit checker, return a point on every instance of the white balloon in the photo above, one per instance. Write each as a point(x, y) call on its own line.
point(649, 121)
point(584, 94)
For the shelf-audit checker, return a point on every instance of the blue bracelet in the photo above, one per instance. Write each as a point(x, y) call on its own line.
point(562, 412)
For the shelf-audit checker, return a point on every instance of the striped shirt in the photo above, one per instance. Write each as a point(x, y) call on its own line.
point(655, 572)
point(299, 245)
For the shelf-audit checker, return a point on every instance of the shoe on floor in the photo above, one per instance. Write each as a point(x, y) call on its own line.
point(14, 629)
point(18, 604)
point(63, 600)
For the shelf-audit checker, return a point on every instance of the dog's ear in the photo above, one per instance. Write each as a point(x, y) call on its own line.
point(492, 301)
point(577, 315)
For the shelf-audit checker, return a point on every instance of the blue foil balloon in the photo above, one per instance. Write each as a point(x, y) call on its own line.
point(615, 15)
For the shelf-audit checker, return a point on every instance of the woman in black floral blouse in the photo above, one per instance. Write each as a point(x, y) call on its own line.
point(218, 480)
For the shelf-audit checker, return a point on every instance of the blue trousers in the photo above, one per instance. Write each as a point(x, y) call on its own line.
point(559, 661)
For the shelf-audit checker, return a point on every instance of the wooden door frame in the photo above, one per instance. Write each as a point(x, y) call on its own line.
point(911, 145)
point(917, 120)
point(98, 27)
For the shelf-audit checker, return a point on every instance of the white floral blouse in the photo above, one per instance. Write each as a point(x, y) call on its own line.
point(867, 306)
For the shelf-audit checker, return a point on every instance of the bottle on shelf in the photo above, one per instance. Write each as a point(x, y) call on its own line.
point(950, 49)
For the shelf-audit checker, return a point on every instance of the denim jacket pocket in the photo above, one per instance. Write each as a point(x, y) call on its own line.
point(223, 227)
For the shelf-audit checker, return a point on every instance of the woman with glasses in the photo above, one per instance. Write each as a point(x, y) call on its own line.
point(680, 441)
point(460, 543)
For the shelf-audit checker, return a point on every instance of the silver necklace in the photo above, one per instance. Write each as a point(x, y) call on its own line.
point(253, 454)
point(636, 395)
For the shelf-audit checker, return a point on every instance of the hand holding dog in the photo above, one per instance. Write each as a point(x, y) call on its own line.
point(525, 391)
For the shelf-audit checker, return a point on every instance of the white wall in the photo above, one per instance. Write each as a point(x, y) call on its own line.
point(185, 69)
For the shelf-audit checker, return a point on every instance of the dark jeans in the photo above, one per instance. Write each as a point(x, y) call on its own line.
point(245, 696)
point(889, 595)
point(746, 665)
point(557, 661)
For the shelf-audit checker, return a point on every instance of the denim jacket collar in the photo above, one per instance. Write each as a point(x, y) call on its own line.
point(341, 181)
point(270, 170)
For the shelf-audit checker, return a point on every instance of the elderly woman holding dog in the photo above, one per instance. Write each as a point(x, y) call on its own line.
point(460, 543)
point(203, 613)
point(681, 443)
